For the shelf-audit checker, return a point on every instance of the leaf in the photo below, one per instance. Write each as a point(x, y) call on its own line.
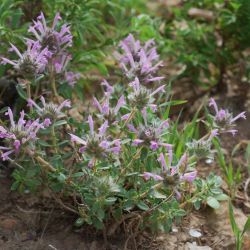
point(110, 201)
point(221, 197)
point(61, 177)
point(158, 195)
point(79, 174)
point(44, 143)
point(212, 202)
point(197, 204)
point(60, 123)
point(21, 92)
point(100, 214)
point(173, 103)
point(142, 206)
point(234, 226)
point(3, 110)
point(246, 226)
point(79, 222)
point(180, 213)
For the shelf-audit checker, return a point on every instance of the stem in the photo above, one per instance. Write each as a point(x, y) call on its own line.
point(45, 163)
point(28, 89)
point(53, 135)
point(52, 79)
point(182, 205)
point(133, 158)
point(158, 205)
point(153, 187)
point(128, 120)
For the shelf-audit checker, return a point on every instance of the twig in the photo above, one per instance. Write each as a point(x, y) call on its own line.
point(45, 163)
point(59, 201)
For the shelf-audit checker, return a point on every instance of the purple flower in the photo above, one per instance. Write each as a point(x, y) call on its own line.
point(189, 177)
point(32, 62)
point(137, 142)
point(172, 171)
point(202, 148)
point(108, 112)
point(18, 135)
point(56, 40)
point(60, 63)
point(171, 175)
point(223, 119)
point(154, 145)
point(47, 122)
point(139, 61)
point(109, 89)
point(150, 133)
point(97, 145)
point(141, 97)
point(148, 175)
point(72, 78)
point(49, 111)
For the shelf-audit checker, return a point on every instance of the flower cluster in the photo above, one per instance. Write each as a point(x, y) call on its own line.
point(202, 148)
point(107, 112)
point(150, 134)
point(47, 52)
point(32, 62)
point(139, 61)
point(50, 112)
point(18, 135)
point(141, 97)
point(223, 119)
point(49, 37)
point(97, 145)
point(172, 175)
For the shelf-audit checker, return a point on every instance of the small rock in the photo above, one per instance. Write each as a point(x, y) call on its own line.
point(193, 246)
point(194, 233)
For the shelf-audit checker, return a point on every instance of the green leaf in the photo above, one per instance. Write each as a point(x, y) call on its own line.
point(197, 204)
point(212, 202)
point(21, 92)
point(110, 201)
point(79, 174)
point(234, 226)
point(142, 206)
point(128, 205)
point(79, 222)
point(221, 197)
point(246, 226)
point(60, 123)
point(173, 103)
point(100, 214)
point(157, 195)
point(44, 143)
point(180, 213)
point(61, 177)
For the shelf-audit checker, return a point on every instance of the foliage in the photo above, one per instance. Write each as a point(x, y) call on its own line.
point(129, 160)
point(207, 37)
point(239, 234)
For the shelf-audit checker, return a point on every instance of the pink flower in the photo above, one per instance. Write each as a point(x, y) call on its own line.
point(139, 61)
point(224, 120)
point(19, 134)
point(54, 39)
point(32, 62)
point(148, 175)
